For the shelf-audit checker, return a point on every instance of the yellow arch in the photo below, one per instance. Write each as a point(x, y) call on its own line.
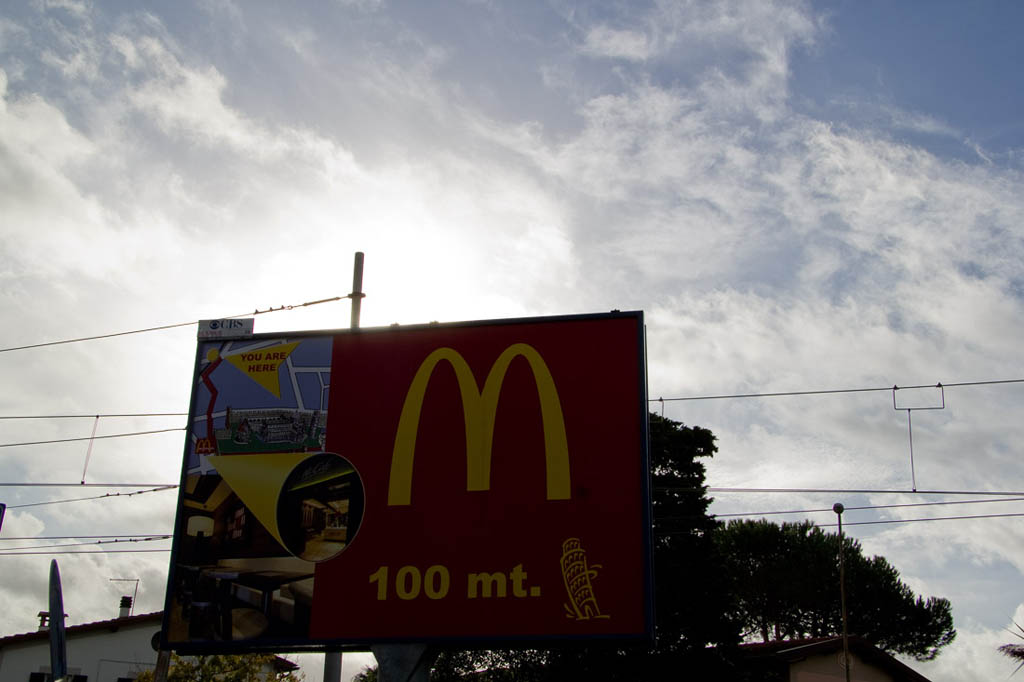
point(479, 413)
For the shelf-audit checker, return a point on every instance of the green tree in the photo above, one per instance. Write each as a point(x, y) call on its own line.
point(367, 674)
point(692, 598)
point(242, 668)
point(786, 583)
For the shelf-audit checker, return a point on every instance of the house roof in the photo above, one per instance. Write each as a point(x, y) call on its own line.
point(112, 625)
point(795, 650)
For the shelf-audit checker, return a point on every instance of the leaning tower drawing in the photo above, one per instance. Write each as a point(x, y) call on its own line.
point(578, 576)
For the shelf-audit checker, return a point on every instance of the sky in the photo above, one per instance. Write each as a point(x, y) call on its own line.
point(802, 197)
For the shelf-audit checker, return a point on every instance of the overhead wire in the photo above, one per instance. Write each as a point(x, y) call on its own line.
point(170, 326)
point(827, 391)
point(660, 399)
point(93, 416)
point(79, 537)
point(88, 551)
point(868, 507)
point(91, 438)
point(97, 542)
point(22, 484)
point(94, 497)
point(856, 491)
point(837, 491)
point(33, 550)
point(773, 394)
point(658, 531)
point(927, 518)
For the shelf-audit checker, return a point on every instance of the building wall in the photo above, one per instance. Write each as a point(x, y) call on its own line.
point(101, 655)
point(828, 668)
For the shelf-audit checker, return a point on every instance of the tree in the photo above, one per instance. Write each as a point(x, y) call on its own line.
point(692, 599)
point(1015, 651)
point(786, 582)
point(367, 674)
point(242, 668)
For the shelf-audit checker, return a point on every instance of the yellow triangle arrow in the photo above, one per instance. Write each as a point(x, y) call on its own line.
point(261, 365)
point(257, 480)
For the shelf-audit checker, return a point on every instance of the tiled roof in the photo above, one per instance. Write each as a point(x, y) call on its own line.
point(793, 650)
point(112, 625)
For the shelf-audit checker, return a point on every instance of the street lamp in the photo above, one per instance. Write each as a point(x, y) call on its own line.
point(838, 509)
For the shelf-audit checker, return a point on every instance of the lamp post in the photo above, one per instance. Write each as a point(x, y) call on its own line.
point(838, 509)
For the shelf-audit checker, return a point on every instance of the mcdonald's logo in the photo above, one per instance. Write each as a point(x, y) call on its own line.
point(479, 410)
point(205, 446)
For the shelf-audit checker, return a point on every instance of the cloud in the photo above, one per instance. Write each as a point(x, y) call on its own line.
point(186, 101)
point(77, 8)
point(974, 657)
point(603, 41)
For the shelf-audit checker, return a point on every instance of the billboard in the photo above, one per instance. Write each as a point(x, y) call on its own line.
point(470, 482)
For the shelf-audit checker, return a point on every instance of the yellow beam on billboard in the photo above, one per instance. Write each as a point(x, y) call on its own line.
point(258, 479)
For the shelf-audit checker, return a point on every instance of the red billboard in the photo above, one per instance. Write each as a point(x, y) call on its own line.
point(481, 481)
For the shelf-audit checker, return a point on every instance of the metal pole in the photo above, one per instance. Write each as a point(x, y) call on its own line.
point(333, 659)
point(838, 509)
point(910, 432)
point(357, 289)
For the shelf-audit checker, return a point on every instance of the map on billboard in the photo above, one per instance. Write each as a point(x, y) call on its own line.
point(464, 482)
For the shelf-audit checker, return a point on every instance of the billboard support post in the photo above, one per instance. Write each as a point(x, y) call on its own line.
point(332, 659)
point(403, 662)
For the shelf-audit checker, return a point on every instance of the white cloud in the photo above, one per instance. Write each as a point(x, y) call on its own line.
point(79, 8)
point(604, 41)
point(190, 101)
point(973, 657)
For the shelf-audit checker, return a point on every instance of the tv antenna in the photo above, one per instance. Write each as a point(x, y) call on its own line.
point(131, 611)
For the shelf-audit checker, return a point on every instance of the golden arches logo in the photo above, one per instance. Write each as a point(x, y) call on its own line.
point(479, 410)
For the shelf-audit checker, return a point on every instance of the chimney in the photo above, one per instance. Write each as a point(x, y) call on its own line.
point(44, 621)
point(126, 607)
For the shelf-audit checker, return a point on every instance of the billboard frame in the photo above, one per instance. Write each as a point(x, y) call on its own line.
point(484, 641)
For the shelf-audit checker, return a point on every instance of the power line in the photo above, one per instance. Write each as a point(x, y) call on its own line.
point(871, 523)
point(828, 391)
point(657, 532)
point(98, 542)
point(93, 416)
point(867, 507)
point(73, 440)
point(650, 400)
point(88, 551)
point(170, 326)
point(929, 518)
point(94, 497)
point(78, 537)
point(87, 485)
point(853, 491)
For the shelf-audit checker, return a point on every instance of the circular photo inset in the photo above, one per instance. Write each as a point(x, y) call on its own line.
point(320, 507)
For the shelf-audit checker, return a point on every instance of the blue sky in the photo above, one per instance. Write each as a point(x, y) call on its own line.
point(942, 60)
point(799, 195)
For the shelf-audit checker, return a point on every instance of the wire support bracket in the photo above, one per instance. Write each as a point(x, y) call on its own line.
point(910, 423)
